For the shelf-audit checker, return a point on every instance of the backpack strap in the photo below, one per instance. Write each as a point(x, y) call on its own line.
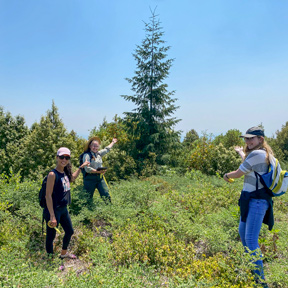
point(257, 180)
point(83, 169)
point(42, 222)
point(90, 155)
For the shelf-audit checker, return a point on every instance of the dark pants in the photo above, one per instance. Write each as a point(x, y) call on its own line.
point(62, 216)
point(93, 181)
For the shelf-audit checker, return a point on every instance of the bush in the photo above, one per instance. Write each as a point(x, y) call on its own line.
point(120, 165)
point(213, 159)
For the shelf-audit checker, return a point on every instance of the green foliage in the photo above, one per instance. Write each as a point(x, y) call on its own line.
point(230, 139)
point(174, 230)
point(224, 160)
point(282, 141)
point(38, 155)
point(121, 165)
point(190, 137)
point(151, 122)
point(152, 247)
point(278, 152)
point(212, 158)
point(168, 231)
point(12, 132)
point(201, 156)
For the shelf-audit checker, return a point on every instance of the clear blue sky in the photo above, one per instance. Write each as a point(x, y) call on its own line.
point(230, 69)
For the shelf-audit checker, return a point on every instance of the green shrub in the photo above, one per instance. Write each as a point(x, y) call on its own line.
point(213, 159)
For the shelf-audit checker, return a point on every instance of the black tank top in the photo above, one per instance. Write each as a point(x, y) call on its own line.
point(61, 192)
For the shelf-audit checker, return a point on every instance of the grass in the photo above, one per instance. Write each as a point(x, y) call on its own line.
point(162, 231)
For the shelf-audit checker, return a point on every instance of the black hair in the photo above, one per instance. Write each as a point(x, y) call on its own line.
point(68, 171)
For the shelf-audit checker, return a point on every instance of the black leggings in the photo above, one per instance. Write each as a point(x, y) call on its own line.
point(62, 217)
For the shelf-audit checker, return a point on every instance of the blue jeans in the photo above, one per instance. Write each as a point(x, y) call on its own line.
point(249, 231)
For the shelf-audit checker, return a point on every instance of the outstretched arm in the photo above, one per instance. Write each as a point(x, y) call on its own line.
point(77, 172)
point(112, 143)
point(239, 150)
point(234, 174)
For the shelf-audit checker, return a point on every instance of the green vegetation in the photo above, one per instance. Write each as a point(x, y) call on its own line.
point(163, 231)
point(173, 222)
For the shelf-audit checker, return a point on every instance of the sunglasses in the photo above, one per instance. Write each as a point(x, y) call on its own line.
point(63, 156)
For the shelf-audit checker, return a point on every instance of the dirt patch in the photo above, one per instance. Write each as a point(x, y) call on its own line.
point(76, 266)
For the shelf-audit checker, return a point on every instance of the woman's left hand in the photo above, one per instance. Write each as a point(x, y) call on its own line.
point(114, 140)
point(238, 149)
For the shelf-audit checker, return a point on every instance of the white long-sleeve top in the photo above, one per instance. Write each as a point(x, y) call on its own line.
point(96, 160)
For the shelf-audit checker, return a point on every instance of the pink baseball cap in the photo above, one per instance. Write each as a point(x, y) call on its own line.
point(63, 151)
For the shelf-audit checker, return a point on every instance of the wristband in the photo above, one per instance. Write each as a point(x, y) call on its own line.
point(229, 179)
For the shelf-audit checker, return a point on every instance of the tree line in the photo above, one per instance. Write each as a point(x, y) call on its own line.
point(31, 151)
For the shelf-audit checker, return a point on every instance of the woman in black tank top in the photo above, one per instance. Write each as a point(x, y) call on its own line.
point(57, 198)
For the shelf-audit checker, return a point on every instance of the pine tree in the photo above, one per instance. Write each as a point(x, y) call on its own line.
point(190, 137)
point(151, 122)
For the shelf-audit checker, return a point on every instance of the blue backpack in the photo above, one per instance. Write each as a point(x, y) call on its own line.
point(275, 180)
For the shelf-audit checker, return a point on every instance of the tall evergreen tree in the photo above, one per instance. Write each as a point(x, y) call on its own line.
point(151, 122)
